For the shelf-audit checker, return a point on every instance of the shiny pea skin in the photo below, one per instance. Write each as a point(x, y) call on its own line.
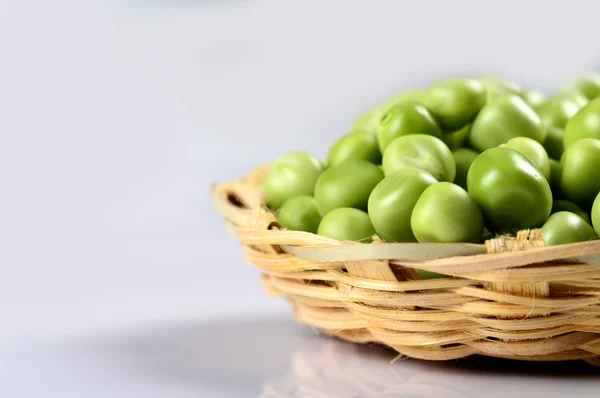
point(565, 227)
point(533, 150)
point(503, 118)
point(580, 99)
point(596, 214)
point(423, 152)
point(355, 146)
point(347, 224)
point(347, 184)
point(406, 117)
point(510, 191)
point(463, 158)
point(446, 213)
point(584, 124)
point(368, 122)
point(557, 111)
point(300, 214)
point(579, 180)
point(392, 201)
point(293, 174)
point(554, 143)
point(565, 205)
point(535, 98)
point(457, 139)
point(454, 102)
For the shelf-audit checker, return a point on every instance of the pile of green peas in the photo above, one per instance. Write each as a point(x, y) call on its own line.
point(458, 161)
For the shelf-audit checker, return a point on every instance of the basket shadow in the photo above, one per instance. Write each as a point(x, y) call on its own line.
point(274, 356)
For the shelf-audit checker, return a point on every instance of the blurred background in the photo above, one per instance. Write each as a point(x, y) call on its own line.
point(117, 116)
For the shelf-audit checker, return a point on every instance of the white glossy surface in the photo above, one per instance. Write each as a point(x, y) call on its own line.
point(118, 278)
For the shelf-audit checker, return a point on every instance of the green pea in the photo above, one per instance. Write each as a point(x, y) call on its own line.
point(457, 139)
point(596, 214)
point(510, 191)
point(580, 99)
point(587, 85)
point(565, 205)
point(565, 227)
point(423, 152)
point(533, 150)
point(347, 184)
point(579, 181)
point(454, 102)
point(414, 95)
point(585, 124)
point(407, 117)
point(355, 146)
point(557, 111)
point(463, 158)
point(496, 87)
point(535, 98)
point(555, 172)
point(503, 118)
point(554, 144)
point(294, 174)
point(392, 201)
point(347, 224)
point(446, 213)
point(300, 214)
point(368, 122)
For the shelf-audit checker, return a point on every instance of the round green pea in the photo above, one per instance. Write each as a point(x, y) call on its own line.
point(553, 144)
point(446, 213)
point(355, 146)
point(565, 227)
point(463, 158)
point(510, 191)
point(555, 172)
point(587, 85)
point(392, 201)
point(347, 223)
point(557, 111)
point(404, 118)
point(300, 214)
point(496, 87)
point(368, 122)
point(580, 99)
point(596, 214)
point(503, 118)
point(584, 124)
point(535, 98)
point(565, 205)
point(579, 180)
point(415, 95)
point(347, 184)
point(454, 102)
point(457, 139)
point(293, 174)
point(533, 150)
point(423, 152)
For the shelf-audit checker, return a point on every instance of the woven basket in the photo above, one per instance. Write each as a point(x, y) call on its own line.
point(510, 298)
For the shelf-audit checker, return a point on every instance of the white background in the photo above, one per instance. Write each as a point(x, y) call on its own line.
point(116, 117)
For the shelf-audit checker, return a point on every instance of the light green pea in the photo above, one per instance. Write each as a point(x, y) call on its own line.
point(565, 227)
point(347, 224)
point(294, 174)
point(300, 214)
